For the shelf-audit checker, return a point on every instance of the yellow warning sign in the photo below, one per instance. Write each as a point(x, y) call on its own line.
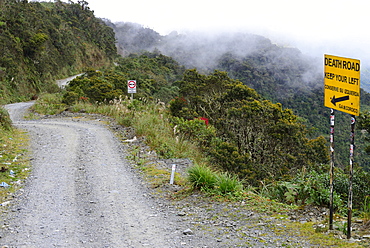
point(342, 84)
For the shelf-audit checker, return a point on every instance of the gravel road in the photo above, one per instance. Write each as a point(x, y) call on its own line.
point(82, 192)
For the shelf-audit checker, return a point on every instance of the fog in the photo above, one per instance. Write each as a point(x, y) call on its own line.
point(315, 27)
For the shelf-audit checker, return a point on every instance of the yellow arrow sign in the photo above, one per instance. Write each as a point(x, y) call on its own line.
point(342, 84)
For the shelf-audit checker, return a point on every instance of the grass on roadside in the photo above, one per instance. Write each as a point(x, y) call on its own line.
point(151, 121)
point(316, 238)
point(49, 104)
point(14, 166)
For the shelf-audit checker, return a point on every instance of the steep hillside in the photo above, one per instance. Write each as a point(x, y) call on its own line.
point(133, 37)
point(280, 74)
point(44, 41)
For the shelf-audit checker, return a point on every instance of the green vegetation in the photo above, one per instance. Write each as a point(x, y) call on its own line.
point(202, 178)
point(248, 138)
point(49, 104)
point(316, 238)
point(310, 188)
point(44, 41)
point(232, 123)
point(14, 165)
point(5, 122)
point(155, 74)
point(254, 138)
point(280, 74)
point(366, 212)
point(286, 76)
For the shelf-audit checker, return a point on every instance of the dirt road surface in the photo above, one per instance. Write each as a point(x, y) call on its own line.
point(81, 192)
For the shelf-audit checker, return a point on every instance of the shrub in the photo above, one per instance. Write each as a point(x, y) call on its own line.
point(179, 107)
point(227, 156)
point(49, 104)
point(228, 184)
point(311, 188)
point(366, 209)
point(195, 130)
point(202, 178)
point(70, 97)
point(165, 151)
point(5, 121)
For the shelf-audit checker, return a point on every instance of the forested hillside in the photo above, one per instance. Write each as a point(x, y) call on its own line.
point(281, 74)
point(44, 41)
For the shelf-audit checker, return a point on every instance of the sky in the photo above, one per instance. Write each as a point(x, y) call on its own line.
point(334, 27)
point(316, 27)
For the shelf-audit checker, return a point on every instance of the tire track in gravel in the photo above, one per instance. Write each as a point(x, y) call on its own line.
point(81, 193)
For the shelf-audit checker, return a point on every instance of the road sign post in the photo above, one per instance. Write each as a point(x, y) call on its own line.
point(131, 88)
point(342, 92)
point(350, 192)
point(331, 173)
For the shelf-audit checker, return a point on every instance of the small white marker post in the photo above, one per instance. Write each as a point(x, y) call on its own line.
point(173, 174)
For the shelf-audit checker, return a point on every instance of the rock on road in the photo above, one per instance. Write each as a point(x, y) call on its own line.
point(81, 192)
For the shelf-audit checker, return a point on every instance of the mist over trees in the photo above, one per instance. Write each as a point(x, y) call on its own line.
point(280, 74)
point(275, 72)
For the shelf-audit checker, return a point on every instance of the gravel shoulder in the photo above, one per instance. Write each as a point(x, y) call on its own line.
point(83, 192)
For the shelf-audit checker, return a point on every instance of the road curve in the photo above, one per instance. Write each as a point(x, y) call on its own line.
point(82, 192)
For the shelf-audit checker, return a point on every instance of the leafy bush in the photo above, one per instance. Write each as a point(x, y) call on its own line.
point(165, 151)
point(179, 107)
point(227, 156)
point(92, 86)
point(313, 188)
point(70, 97)
point(154, 80)
point(5, 121)
point(320, 193)
point(194, 130)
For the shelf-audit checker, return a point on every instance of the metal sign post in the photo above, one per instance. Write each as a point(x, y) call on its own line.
point(131, 88)
point(350, 192)
point(331, 208)
point(342, 92)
